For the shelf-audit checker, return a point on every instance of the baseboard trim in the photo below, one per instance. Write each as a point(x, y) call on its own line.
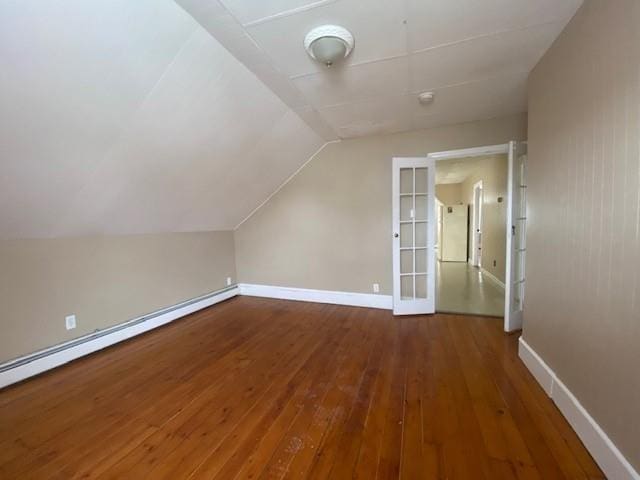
point(319, 296)
point(614, 465)
point(492, 277)
point(33, 364)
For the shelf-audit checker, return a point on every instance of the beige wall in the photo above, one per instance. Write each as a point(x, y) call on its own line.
point(582, 306)
point(449, 193)
point(330, 226)
point(102, 280)
point(492, 170)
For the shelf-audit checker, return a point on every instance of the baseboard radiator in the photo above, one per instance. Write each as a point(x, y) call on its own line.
point(27, 366)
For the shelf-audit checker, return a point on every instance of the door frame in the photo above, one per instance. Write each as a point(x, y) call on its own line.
point(476, 219)
point(468, 153)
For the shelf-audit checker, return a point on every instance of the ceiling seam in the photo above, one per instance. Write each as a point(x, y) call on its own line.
point(487, 35)
point(415, 92)
point(285, 13)
point(435, 47)
point(291, 177)
point(277, 69)
point(125, 130)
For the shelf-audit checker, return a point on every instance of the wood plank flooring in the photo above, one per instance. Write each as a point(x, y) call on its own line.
point(269, 389)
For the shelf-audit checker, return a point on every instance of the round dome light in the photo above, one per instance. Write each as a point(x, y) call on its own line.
point(328, 44)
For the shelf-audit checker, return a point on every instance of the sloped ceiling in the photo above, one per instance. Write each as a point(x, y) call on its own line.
point(120, 116)
point(475, 55)
point(127, 116)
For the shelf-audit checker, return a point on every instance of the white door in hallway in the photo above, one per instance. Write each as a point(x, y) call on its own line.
point(516, 237)
point(476, 232)
point(413, 229)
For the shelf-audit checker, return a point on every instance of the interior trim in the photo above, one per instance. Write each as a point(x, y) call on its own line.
point(35, 363)
point(605, 453)
point(320, 296)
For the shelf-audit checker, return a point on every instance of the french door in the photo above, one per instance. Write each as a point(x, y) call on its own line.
point(516, 237)
point(413, 224)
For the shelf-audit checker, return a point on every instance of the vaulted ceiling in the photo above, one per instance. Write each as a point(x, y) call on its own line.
point(145, 116)
point(475, 55)
point(125, 116)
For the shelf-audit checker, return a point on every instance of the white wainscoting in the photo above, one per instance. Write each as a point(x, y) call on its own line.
point(603, 450)
point(321, 296)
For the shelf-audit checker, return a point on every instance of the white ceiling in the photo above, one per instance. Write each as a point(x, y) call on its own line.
point(475, 55)
point(160, 115)
point(128, 117)
point(457, 170)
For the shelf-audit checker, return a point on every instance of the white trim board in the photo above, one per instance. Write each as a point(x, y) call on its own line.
point(55, 356)
point(492, 277)
point(471, 152)
point(370, 300)
point(603, 450)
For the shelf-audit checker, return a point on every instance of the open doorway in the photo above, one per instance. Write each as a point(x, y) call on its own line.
point(471, 193)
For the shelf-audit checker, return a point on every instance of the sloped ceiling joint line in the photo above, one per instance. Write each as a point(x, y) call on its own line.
point(291, 177)
point(165, 71)
point(416, 92)
point(95, 166)
point(487, 35)
point(274, 66)
point(288, 13)
point(291, 85)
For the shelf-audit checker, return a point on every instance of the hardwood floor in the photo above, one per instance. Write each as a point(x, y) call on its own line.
point(258, 388)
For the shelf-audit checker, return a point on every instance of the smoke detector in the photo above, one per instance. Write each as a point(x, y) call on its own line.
point(329, 44)
point(426, 98)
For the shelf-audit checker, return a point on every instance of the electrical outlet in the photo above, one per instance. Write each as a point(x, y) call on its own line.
point(70, 322)
point(228, 280)
point(376, 288)
point(494, 263)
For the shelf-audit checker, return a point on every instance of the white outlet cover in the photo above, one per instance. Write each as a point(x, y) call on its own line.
point(70, 322)
point(228, 280)
point(376, 288)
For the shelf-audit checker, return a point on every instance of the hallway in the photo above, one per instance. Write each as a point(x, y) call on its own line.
point(461, 288)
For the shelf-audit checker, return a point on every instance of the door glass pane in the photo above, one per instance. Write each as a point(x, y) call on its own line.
point(421, 286)
point(406, 261)
point(421, 207)
point(406, 180)
point(519, 240)
point(421, 260)
point(422, 180)
point(406, 205)
point(406, 287)
point(406, 235)
point(421, 234)
point(520, 265)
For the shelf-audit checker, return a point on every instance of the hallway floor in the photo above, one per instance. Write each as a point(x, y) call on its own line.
point(462, 288)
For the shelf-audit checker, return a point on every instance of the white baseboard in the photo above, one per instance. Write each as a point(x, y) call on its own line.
point(603, 450)
point(38, 362)
point(320, 296)
point(492, 277)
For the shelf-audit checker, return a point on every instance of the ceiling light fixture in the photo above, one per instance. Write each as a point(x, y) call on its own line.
point(329, 44)
point(426, 98)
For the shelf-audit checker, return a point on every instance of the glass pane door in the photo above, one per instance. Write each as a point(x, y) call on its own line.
point(414, 285)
